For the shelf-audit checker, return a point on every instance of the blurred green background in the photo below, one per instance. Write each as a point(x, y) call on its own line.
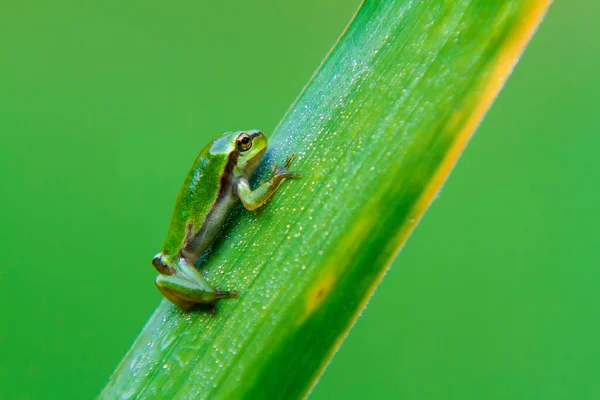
point(104, 105)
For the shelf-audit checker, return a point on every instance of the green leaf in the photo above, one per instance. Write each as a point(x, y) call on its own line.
point(377, 131)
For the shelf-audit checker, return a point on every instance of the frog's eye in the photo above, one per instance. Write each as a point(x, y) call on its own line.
point(243, 142)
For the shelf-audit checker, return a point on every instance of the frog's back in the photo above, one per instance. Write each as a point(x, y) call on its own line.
point(196, 197)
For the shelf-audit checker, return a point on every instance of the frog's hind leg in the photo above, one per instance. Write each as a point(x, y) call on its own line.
point(186, 287)
point(170, 287)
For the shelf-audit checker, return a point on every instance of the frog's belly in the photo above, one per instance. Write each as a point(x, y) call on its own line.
point(197, 242)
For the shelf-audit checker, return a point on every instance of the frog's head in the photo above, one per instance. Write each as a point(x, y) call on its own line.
point(243, 148)
point(250, 147)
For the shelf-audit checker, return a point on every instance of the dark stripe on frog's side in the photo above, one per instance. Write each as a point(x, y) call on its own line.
point(193, 245)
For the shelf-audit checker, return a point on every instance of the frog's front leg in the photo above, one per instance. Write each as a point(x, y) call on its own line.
point(186, 287)
point(253, 199)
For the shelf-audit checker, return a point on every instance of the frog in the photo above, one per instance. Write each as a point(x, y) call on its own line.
point(217, 182)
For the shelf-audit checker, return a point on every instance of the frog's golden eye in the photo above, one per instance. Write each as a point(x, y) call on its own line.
point(243, 142)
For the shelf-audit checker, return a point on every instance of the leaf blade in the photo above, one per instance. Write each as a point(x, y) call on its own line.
point(415, 79)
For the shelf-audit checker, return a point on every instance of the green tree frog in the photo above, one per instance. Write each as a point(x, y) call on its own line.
point(218, 180)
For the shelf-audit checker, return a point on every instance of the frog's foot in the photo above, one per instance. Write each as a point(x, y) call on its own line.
point(223, 294)
point(282, 172)
point(187, 293)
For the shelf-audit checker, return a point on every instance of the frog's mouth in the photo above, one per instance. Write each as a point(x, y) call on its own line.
point(253, 162)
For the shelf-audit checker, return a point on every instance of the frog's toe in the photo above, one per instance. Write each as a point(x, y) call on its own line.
point(288, 160)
